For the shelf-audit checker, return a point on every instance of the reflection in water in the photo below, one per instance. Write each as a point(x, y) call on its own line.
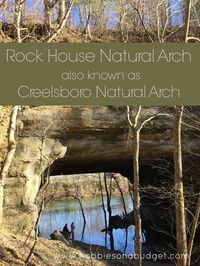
point(58, 213)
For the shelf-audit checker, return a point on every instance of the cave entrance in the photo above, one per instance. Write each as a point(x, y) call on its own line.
point(84, 199)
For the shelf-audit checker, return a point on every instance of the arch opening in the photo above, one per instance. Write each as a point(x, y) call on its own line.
point(92, 204)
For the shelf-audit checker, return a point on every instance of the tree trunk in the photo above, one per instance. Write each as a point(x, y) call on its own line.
point(136, 196)
point(78, 197)
point(109, 212)
point(104, 210)
point(102, 200)
point(80, 18)
point(181, 237)
point(18, 9)
point(187, 18)
point(168, 7)
point(15, 12)
point(61, 10)
point(136, 182)
point(88, 17)
point(9, 156)
point(62, 23)
point(136, 128)
point(47, 17)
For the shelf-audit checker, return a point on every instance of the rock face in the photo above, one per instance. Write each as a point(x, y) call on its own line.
point(68, 140)
point(4, 124)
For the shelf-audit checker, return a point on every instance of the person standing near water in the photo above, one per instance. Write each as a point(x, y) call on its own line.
point(66, 231)
point(72, 230)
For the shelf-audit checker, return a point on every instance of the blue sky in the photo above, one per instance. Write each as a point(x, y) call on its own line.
point(37, 7)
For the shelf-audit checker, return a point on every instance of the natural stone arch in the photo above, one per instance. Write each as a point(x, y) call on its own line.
point(79, 140)
point(74, 140)
point(84, 137)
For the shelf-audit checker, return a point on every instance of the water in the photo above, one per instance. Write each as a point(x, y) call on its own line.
point(57, 213)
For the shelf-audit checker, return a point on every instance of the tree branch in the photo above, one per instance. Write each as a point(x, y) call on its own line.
point(62, 24)
point(141, 20)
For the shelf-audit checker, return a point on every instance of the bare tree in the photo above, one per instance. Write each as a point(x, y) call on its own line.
point(179, 189)
point(62, 23)
point(195, 224)
point(140, 19)
point(136, 182)
point(190, 125)
point(88, 12)
point(2, 3)
point(48, 7)
point(76, 196)
point(102, 200)
point(135, 128)
point(61, 10)
point(169, 13)
point(187, 18)
point(188, 8)
point(18, 10)
point(109, 209)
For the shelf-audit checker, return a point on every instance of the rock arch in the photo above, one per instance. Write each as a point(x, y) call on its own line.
point(74, 139)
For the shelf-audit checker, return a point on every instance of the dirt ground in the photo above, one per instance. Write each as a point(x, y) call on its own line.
point(14, 250)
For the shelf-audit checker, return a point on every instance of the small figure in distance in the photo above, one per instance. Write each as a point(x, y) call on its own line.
point(66, 232)
point(72, 230)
